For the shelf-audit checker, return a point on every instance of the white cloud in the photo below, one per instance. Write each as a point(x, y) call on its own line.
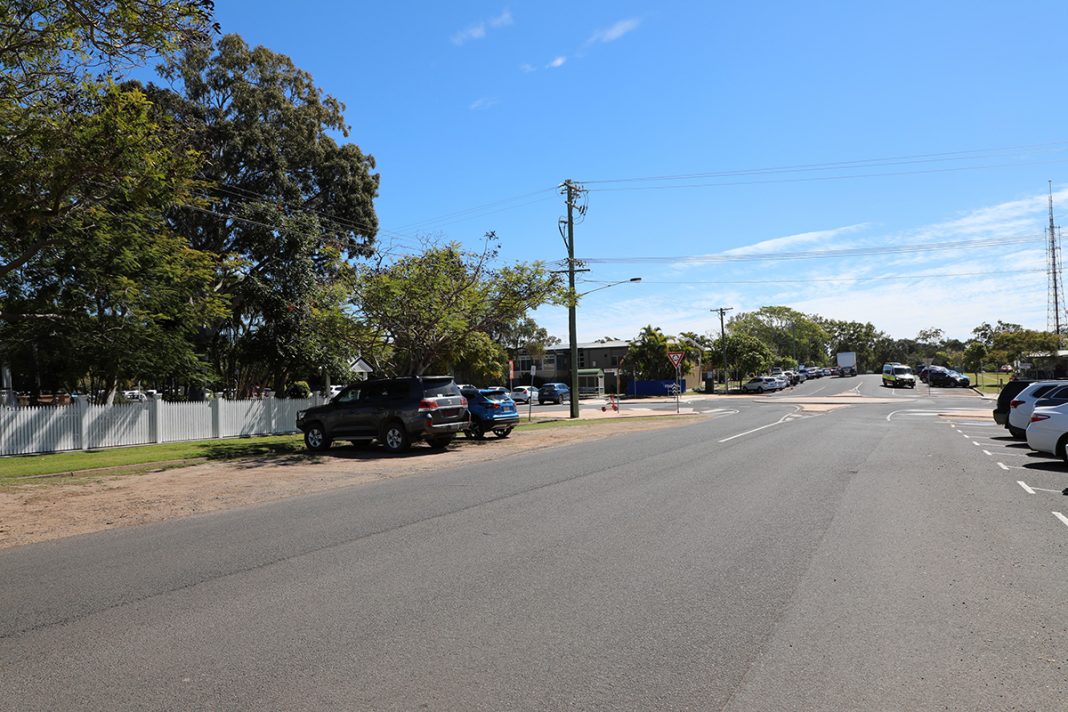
point(527, 68)
point(482, 104)
point(613, 33)
point(502, 20)
point(477, 31)
point(820, 238)
point(557, 62)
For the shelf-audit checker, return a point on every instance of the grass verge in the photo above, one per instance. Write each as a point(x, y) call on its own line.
point(16, 468)
point(138, 459)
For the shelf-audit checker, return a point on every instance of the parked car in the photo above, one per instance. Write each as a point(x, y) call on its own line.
point(524, 394)
point(761, 384)
point(1023, 404)
point(1005, 396)
point(554, 393)
point(781, 381)
point(1047, 430)
point(946, 378)
point(393, 411)
point(490, 410)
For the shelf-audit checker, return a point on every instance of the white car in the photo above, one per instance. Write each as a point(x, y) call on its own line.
point(1021, 406)
point(783, 380)
point(524, 394)
point(761, 384)
point(1048, 430)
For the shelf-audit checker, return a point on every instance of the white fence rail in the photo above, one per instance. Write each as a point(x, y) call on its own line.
point(38, 429)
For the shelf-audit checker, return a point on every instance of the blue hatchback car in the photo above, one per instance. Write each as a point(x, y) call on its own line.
point(490, 410)
point(554, 393)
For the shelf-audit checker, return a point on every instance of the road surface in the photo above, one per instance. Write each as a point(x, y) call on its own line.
point(889, 552)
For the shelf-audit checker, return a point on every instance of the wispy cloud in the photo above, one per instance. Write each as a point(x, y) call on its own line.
point(613, 33)
point(557, 62)
point(478, 30)
point(527, 68)
point(482, 104)
point(817, 238)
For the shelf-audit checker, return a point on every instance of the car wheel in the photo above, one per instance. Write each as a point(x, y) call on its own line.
point(477, 430)
point(502, 432)
point(1062, 447)
point(315, 438)
point(440, 442)
point(1018, 433)
point(395, 437)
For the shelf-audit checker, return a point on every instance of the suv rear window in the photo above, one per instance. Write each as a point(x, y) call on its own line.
point(438, 386)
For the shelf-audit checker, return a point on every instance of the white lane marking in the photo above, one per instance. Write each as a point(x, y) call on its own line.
point(1063, 518)
point(1003, 466)
point(988, 453)
point(780, 421)
point(1023, 484)
point(965, 434)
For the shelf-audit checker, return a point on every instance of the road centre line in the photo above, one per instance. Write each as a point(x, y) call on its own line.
point(1060, 516)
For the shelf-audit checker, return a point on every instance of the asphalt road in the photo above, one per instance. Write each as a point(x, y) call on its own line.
point(769, 556)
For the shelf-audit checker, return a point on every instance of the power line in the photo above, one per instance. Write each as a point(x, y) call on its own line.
point(861, 163)
point(899, 277)
point(812, 179)
point(823, 254)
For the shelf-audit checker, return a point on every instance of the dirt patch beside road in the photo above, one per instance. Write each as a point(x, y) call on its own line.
point(31, 513)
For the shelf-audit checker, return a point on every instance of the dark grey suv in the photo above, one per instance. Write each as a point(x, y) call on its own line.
point(393, 411)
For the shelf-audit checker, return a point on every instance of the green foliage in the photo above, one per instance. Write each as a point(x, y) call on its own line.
point(298, 389)
point(282, 205)
point(440, 308)
point(647, 355)
point(746, 354)
point(787, 332)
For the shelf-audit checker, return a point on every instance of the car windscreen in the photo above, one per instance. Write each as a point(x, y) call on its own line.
point(902, 370)
point(438, 387)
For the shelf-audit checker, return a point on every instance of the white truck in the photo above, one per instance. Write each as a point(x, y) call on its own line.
point(847, 363)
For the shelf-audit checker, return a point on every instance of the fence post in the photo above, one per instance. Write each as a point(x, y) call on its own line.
point(83, 423)
point(268, 411)
point(216, 416)
point(156, 418)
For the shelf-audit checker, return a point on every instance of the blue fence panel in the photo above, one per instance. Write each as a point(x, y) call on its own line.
point(654, 388)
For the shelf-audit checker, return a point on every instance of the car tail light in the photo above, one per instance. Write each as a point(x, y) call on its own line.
point(427, 404)
point(1014, 403)
point(1036, 418)
point(463, 402)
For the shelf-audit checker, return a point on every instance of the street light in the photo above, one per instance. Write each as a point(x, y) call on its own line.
point(572, 303)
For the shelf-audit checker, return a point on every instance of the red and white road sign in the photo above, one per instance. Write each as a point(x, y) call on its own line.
point(675, 357)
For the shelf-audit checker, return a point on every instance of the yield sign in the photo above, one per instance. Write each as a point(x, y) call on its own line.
point(675, 357)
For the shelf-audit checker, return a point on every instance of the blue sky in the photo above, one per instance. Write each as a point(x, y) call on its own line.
point(919, 124)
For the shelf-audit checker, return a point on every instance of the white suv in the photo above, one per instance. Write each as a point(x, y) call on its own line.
point(1023, 404)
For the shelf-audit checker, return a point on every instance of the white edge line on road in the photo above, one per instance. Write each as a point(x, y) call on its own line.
point(1023, 484)
point(1003, 466)
point(1063, 518)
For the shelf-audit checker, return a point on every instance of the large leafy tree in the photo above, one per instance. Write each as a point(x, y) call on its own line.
point(647, 355)
point(787, 332)
point(439, 308)
point(860, 338)
point(114, 294)
point(285, 207)
point(63, 149)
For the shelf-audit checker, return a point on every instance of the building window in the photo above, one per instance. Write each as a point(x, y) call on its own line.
point(614, 361)
point(549, 360)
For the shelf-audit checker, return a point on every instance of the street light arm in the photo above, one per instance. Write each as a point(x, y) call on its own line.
point(613, 284)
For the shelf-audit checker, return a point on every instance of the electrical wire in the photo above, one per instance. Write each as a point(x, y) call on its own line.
point(861, 163)
point(822, 254)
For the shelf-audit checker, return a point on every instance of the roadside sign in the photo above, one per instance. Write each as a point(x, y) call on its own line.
point(676, 358)
point(511, 369)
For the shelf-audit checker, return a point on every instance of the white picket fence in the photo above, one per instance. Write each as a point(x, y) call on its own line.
point(38, 429)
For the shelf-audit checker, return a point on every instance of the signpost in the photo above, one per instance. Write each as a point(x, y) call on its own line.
point(676, 360)
point(530, 396)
